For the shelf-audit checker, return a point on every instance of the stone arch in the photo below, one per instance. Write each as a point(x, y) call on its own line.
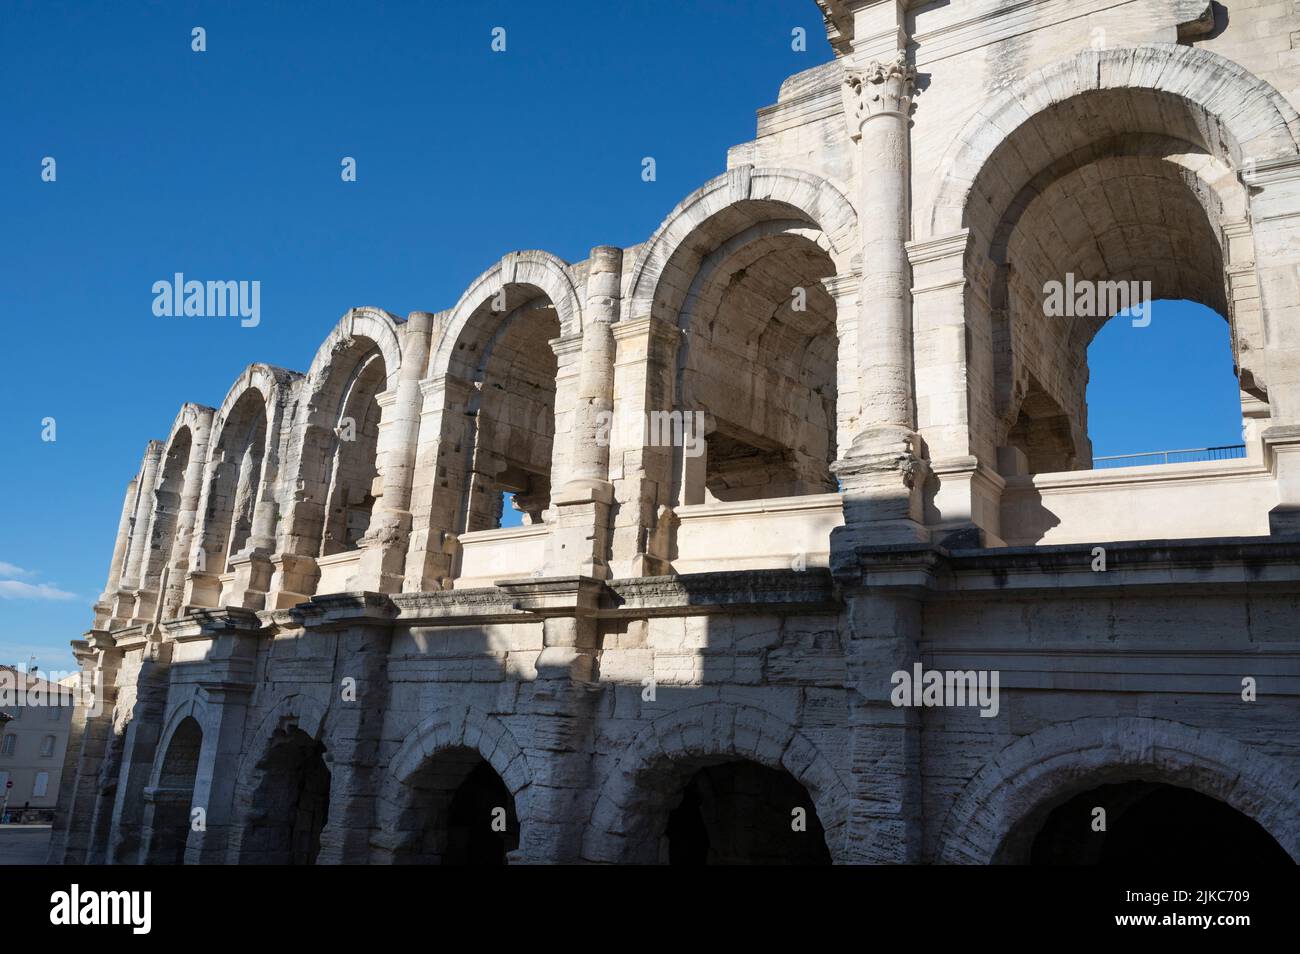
point(1256, 119)
point(450, 731)
point(533, 273)
point(190, 708)
point(500, 348)
point(629, 812)
point(265, 379)
point(294, 710)
point(1048, 766)
point(240, 476)
point(171, 789)
point(353, 371)
point(292, 718)
point(720, 272)
point(1019, 186)
point(375, 325)
point(175, 504)
point(459, 726)
point(777, 194)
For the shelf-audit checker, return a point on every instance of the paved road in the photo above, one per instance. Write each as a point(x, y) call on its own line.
point(23, 844)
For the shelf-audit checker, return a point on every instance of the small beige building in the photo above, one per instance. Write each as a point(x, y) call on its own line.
point(33, 742)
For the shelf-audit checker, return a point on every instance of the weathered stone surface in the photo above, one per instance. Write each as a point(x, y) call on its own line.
point(817, 430)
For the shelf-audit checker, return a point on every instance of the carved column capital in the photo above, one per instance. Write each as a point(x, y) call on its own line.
point(881, 88)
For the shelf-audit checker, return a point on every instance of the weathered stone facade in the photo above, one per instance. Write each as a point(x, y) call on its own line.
point(315, 631)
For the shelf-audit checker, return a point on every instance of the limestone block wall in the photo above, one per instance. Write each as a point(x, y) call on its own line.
point(384, 706)
point(308, 590)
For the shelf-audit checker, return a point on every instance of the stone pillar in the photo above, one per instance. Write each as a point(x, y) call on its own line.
point(252, 565)
point(885, 824)
point(104, 607)
point(691, 469)
point(188, 515)
point(228, 641)
point(81, 789)
point(955, 415)
point(382, 561)
point(580, 536)
point(202, 581)
point(363, 629)
point(1282, 454)
point(882, 474)
point(644, 373)
point(844, 290)
point(1274, 207)
point(438, 483)
point(148, 708)
point(124, 603)
point(563, 706)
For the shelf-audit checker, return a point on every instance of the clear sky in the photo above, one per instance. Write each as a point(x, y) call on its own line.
point(226, 165)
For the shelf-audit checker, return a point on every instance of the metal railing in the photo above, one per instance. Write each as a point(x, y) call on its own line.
point(1191, 456)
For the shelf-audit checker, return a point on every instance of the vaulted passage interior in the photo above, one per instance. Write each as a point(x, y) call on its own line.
point(235, 482)
point(161, 561)
point(455, 810)
point(290, 803)
point(505, 351)
point(1145, 823)
point(341, 452)
point(1099, 203)
point(173, 798)
point(754, 377)
point(744, 813)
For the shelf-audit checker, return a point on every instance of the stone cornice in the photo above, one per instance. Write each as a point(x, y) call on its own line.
point(478, 605)
point(811, 590)
point(937, 248)
point(211, 623)
point(1157, 566)
point(340, 610)
point(1258, 173)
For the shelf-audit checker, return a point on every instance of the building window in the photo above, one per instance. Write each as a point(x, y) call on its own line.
point(54, 713)
point(7, 746)
point(41, 784)
point(47, 747)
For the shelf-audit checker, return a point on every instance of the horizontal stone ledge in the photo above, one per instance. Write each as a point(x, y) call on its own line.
point(1229, 564)
point(810, 590)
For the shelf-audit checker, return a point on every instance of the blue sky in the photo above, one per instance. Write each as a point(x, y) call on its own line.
point(225, 165)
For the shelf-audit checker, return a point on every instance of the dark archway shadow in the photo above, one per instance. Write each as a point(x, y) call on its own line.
point(291, 803)
point(740, 812)
point(456, 811)
point(1145, 823)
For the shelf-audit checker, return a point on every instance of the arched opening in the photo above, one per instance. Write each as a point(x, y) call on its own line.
point(1187, 402)
point(753, 410)
point(1144, 823)
point(743, 813)
point(174, 795)
point(235, 482)
point(1093, 208)
point(353, 482)
point(166, 511)
point(290, 803)
point(456, 810)
point(505, 351)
